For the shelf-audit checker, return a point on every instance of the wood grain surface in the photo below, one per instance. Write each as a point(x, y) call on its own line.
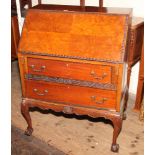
point(70, 95)
point(71, 70)
point(69, 33)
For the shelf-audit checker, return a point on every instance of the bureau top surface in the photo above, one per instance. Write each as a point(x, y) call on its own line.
point(73, 8)
point(78, 35)
point(137, 21)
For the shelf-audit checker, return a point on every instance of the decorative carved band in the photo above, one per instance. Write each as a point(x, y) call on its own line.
point(132, 38)
point(72, 57)
point(125, 39)
point(68, 110)
point(71, 82)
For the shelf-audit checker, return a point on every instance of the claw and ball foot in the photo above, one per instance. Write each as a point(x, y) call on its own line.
point(115, 147)
point(28, 131)
point(124, 116)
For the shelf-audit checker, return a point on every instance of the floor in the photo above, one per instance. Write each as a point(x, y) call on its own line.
point(76, 135)
point(30, 145)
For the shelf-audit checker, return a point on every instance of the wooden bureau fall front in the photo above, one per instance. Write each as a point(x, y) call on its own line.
point(75, 61)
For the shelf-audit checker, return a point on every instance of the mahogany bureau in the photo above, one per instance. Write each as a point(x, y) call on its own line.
point(75, 61)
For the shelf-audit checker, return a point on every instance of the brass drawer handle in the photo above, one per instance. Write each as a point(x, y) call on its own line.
point(40, 94)
point(93, 98)
point(37, 70)
point(92, 73)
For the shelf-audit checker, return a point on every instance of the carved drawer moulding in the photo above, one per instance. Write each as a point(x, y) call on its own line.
point(71, 82)
point(71, 57)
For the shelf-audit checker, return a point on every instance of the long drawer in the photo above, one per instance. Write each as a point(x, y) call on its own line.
point(71, 95)
point(71, 70)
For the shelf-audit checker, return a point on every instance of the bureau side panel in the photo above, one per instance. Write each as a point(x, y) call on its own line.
point(22, 66)
point(121, 86)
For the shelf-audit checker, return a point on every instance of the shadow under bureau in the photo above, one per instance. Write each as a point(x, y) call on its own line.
point(75, 62)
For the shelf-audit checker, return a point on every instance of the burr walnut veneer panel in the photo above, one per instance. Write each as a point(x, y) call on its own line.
point(86, 35)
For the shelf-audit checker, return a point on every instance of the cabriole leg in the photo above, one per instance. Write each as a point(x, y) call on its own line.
point(125, 104)
point(126, 99)
point(128, 84)
point(26, 115)
point(124, 115)
point(117, 122)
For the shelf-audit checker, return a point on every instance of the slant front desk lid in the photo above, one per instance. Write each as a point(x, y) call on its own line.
point(99, 36)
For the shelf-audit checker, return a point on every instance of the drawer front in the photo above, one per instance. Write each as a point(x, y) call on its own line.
point(71, 70)
point(71, 95)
